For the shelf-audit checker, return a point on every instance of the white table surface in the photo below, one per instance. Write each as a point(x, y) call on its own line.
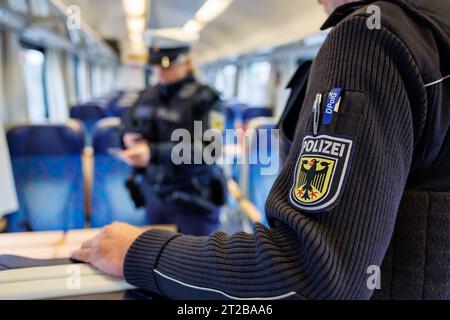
point(51, 244)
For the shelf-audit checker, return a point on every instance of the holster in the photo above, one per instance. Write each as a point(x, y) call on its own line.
point(136, 194)
point(202, 192)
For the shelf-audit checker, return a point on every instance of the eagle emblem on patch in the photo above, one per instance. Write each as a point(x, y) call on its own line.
point(320, 172)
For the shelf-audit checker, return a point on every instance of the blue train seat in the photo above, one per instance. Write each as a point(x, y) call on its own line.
point(123, 103)
point(110, 199)
point(233, 120)
point(233, 114)
point(264, 164)
point(89, 114)
point(229, 117)
point(250, 113)
point(112, 104)
point(47, 166)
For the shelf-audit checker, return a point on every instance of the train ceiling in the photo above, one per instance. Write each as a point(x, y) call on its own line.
point(245, 25)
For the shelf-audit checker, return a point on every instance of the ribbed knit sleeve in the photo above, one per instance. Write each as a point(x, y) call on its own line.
point(309, 255)
point(142, 257)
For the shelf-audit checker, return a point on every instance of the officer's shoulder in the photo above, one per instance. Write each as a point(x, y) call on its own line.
point(205, 95)
point(151, 90)
point(210, 99)
point(396, 21)
point(388, 15)
point(147, 93)
point(208, 93)
point(355, 20)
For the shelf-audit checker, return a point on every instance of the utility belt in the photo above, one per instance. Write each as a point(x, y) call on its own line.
point(203, 190)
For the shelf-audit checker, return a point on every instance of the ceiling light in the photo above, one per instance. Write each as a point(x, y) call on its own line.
point(137, 46)
point(193, 26)
point(170, 33)
point(136, 37)
point(136, 25)
point(134, 8)
point(212, 9)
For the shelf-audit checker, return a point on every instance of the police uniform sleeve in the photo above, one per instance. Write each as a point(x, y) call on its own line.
point(161, 152)
point(327, 236)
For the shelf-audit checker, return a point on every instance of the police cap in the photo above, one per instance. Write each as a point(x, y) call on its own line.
point(165, 57)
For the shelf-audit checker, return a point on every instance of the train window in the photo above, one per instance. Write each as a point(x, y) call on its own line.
point(39, 8)
point(33, 65)
point(71, 79)
point(254, 83)
point(226, 81)
point(210, 76)
point(88, 80)
point(75, 62)
point(83, 80)
point(96, 81)
point(19, 5)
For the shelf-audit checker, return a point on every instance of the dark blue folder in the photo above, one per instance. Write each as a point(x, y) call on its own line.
point(8, 262)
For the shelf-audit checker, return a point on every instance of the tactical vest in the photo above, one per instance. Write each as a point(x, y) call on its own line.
point(164, 116)
point(156, 118)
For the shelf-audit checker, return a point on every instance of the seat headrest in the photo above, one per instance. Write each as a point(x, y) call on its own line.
point(254, 112)
point(87, 112)
point(46, 139)
point(107, 135)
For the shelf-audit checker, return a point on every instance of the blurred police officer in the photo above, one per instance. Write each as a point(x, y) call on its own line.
point(188, 195)
point(364, 193)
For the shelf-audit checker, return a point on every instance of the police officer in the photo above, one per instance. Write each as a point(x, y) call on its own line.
point(362, 205)
point(186, 194)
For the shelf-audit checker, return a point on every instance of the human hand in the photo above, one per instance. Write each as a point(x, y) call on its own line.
point(107, 251)
point(132, 139)
point(137, 156)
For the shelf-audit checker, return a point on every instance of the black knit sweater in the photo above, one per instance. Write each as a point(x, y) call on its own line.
point(324, 254)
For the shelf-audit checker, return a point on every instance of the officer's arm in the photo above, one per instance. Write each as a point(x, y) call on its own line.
point(312, 253)
point(125, 126)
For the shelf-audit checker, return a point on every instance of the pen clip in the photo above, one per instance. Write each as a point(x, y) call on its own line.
point(316, 113)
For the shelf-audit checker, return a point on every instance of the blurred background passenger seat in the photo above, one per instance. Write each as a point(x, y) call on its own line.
point(112, 104)
point(251, 113)
point(47, 165)
point(233, 120)
point(110, 199)
point(262, 169)
point(233, 115)
point(89, 114)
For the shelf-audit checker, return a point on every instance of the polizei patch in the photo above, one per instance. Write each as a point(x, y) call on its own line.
point(320, 172)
